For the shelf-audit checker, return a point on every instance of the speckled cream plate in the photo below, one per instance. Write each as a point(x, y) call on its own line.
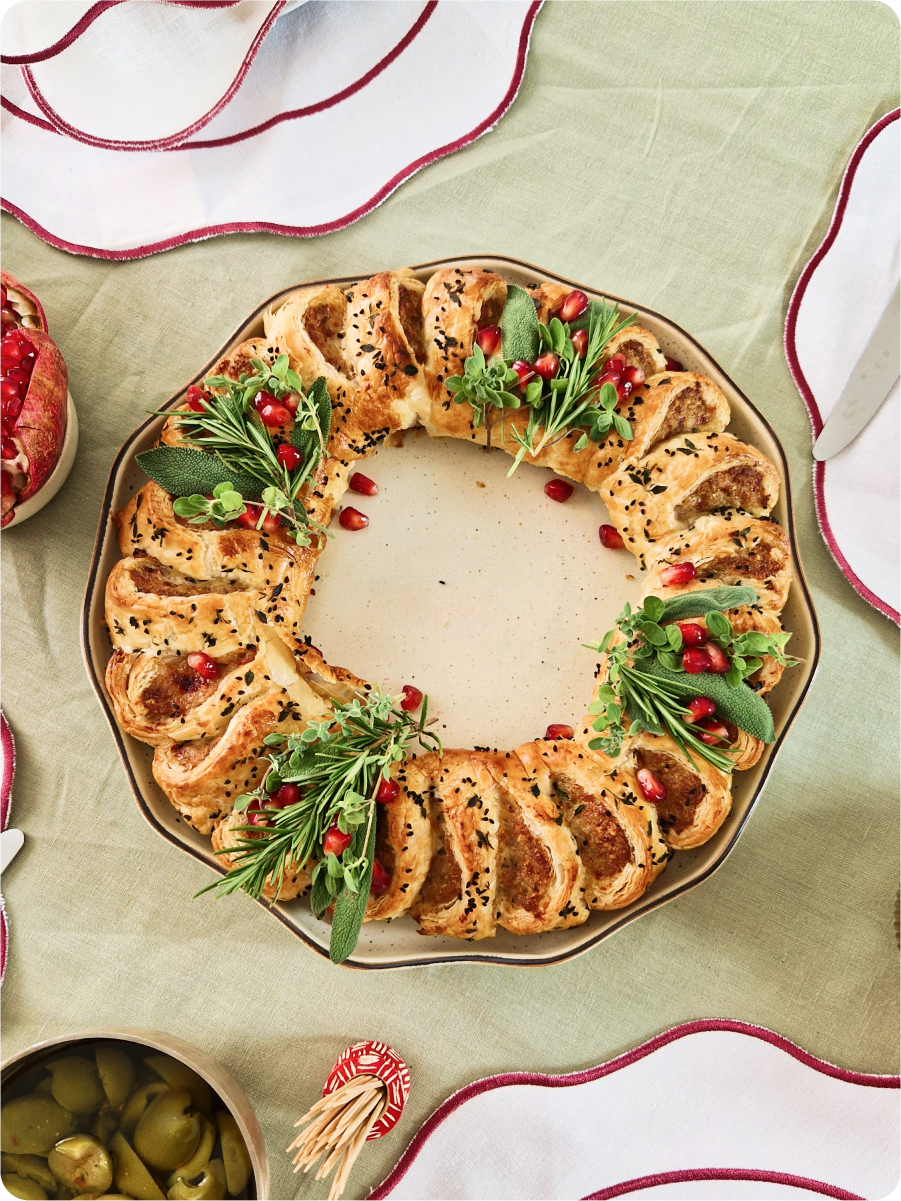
point(479, 590)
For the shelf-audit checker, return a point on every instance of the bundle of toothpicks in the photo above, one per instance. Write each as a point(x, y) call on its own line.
point(339, 1124)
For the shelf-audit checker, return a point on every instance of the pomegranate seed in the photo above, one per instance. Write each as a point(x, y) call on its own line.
point(719, 660)
point(381, 881)
point(701, 706)
point(8, 449)
point(271, 523)
point(711, 730)
point(674, 365)
point(12, 350)
point(558, 490)
point(200, 662)
point(678, 573)
point(251, 516)
point(412, 698)
point(291, 402)
point(262, 398)
point(695, 660)
point(607, 377)
point(274, 415)
point(353, 519)
point(547, 365)
point(580, 342)
point(9, 390)
point(488, 340)
point(255, 814)
point(4, 299)
point(524, 371)
point(574, 305)
point(334, 842)
point(692, 634)
point(633, 376)
point(8, 319)
point(363, 484)
point(289, 457)
point(388, 790)
point(650, 786)
point(617, 363)
point(553, 732)
point(287, 794)
point(194, 397)
point(19, 377)
point(611, 538)
point(622, 391)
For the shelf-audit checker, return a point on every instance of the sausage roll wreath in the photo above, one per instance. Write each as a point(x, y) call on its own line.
point(304, 775)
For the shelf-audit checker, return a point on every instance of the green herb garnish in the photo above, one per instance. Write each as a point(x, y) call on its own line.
point(228, 453)
point(646, 681)
point(483, 385)
point(338, 765)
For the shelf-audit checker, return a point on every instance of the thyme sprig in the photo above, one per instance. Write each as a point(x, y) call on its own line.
point(572, 399)
point(338, 765)
point(646, 681)
point(230, 431)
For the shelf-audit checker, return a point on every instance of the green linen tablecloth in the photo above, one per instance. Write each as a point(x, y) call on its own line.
point(687, 156)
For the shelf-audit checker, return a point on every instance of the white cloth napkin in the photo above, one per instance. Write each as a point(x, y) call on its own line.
point(336, 109)
point(710, 1109)
point(834, 309)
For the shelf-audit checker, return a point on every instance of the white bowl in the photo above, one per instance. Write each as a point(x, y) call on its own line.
point(44, 495)
point(221, 1081)
point(540, 672)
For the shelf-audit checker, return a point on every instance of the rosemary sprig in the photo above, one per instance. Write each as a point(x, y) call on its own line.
point(230, 430)
point(338, 765)
point(646, 681)
point(572, 400)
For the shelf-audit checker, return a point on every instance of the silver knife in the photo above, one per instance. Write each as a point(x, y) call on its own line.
point(871, 381)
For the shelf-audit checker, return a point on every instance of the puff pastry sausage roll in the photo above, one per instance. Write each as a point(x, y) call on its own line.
point(698, 797)
point(616, 833)
point(728, 548)
point(228, 835)
point(403, 842)
point(639, 348)
point(684, 478)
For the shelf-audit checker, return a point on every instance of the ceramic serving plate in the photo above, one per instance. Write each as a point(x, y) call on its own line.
point(479, 590)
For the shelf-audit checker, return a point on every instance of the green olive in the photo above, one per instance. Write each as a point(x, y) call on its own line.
point(209, 1185)
point(179, 1075)
point(131, 1176)
point(103, 1197)
point(44, 1088)
point(21, 1186)
point(137, 1103)
point(201, 1157)
point(31, 1125)
point(32, 1167)
point(234, 1153)
point(81, 1163)
point(76, 1084)
point(105, 1126)
point(117, 1073)
point(167, 1134)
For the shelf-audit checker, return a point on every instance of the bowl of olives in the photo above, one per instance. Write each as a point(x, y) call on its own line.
point(127, 1114)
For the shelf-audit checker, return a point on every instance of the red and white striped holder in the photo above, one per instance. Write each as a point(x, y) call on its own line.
point(375, 1059)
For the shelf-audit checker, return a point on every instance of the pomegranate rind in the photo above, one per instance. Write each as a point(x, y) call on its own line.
point(41, 425)
point(12, 285)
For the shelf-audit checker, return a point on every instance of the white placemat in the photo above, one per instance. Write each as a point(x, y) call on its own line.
point(709, 1109)
point(335, 111)
point(833, 311)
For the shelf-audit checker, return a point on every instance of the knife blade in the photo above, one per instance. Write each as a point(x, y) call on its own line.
point(871, 381)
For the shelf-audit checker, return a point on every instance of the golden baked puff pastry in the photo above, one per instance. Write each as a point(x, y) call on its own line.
point(539, 884)
point(669, 404)
point(158, 698)
point(615, 832)
point(228, 835)
point(386, 350)
point(698, 796)
point(548, 298)
point(457, 897)
point(639, 348)
point(456, 304)
point(203, 778)
point(728, 548)
point(683, 479)
point(153, 607)
point(403, 841)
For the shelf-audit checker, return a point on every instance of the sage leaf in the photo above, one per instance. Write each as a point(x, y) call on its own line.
point(519, 326)
point(351, 906)
point(741, 705)
point(708, 600)
point(183, 471)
